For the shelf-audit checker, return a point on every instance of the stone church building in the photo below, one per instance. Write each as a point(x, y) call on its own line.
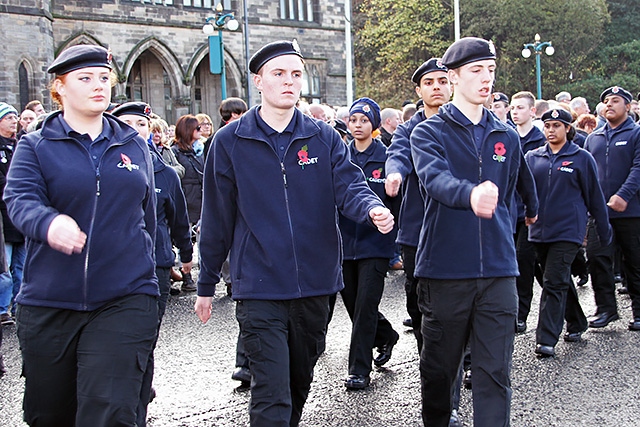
point(161, 54)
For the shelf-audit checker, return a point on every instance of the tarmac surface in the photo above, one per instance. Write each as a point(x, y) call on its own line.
point(592, 383)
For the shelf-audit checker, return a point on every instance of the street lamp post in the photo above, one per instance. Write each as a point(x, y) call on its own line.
point(221, 19)
point(537, 49)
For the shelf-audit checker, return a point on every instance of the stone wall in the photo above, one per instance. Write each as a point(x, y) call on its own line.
point(173, 33)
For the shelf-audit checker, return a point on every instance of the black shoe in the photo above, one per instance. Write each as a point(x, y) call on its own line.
point(188, 285)
point(357, 382)
point(385, 351)
point(6, 319)
point(408, 322)
point(152, 394)
point(229, 289)
point(241, 374)
point(623, 290)
point(466, 381)
point(573, 336)
point(521, 327)
point(582, 280)
point(634, 325)
point(3, 370)
point(601, 320)
point(174, 291)
point(617, 278)
point(545, 351)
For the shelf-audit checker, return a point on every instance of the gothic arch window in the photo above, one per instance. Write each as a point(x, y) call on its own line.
point(149, 81)
point(135, 86)
point(23, 79)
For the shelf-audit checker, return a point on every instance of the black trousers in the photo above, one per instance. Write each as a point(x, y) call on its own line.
point(483, 313)
point(85, 368)
point(601, 259)
point(363, 287)
point(411, 290)
point(282, 340)
point(164, 284)
point(559, 299)
point(626, 235)
point(526, 256)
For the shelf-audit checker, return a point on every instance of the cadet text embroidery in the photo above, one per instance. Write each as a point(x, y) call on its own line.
point(304, 159)
point(126, 163)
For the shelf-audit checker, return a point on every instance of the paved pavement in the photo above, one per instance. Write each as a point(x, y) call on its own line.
point(593, 383)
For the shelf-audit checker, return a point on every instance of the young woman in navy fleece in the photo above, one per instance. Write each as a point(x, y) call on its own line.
point(366, 254)
point(568, 189)
point(82, 192)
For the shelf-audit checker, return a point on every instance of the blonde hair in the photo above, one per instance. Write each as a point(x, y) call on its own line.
point(160, 126)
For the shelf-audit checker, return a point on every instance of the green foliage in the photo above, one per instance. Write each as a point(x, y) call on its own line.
point(575, 28)
point(615, 66)
point(597, 43)
point(392, 39)
point(625, 22)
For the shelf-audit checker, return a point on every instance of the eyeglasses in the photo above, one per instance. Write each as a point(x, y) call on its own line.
point(205, 124)
point(198, 128)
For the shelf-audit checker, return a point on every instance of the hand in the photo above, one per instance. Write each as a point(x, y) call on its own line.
point(392, 184)
point(484, 199)
point(203, 308)
point(382, 219)
point(186, 267)
point(617, 203)
point(65, 236)
point(529, 221)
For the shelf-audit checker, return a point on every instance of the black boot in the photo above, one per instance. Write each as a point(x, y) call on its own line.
point(188, 284)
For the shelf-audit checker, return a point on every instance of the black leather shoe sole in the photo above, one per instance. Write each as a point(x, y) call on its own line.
point(545, 351)
point(603, 320)
point(241, 374)
point(521, 327)
point(385, 352)
point(573, 337)
point(357, 382)
point(634, 325)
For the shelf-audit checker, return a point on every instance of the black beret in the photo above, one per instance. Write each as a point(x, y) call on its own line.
point(499, 96)
point(434, 64)
point(559, 114)
point(81, 56)
point(466, 50)
point(341, 127)
point(273, 50)
point(134, 108)
point(617, 90)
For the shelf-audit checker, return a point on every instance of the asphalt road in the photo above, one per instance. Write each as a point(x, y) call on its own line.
point(592, 383)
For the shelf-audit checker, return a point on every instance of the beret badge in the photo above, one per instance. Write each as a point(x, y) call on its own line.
point(296, 46)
